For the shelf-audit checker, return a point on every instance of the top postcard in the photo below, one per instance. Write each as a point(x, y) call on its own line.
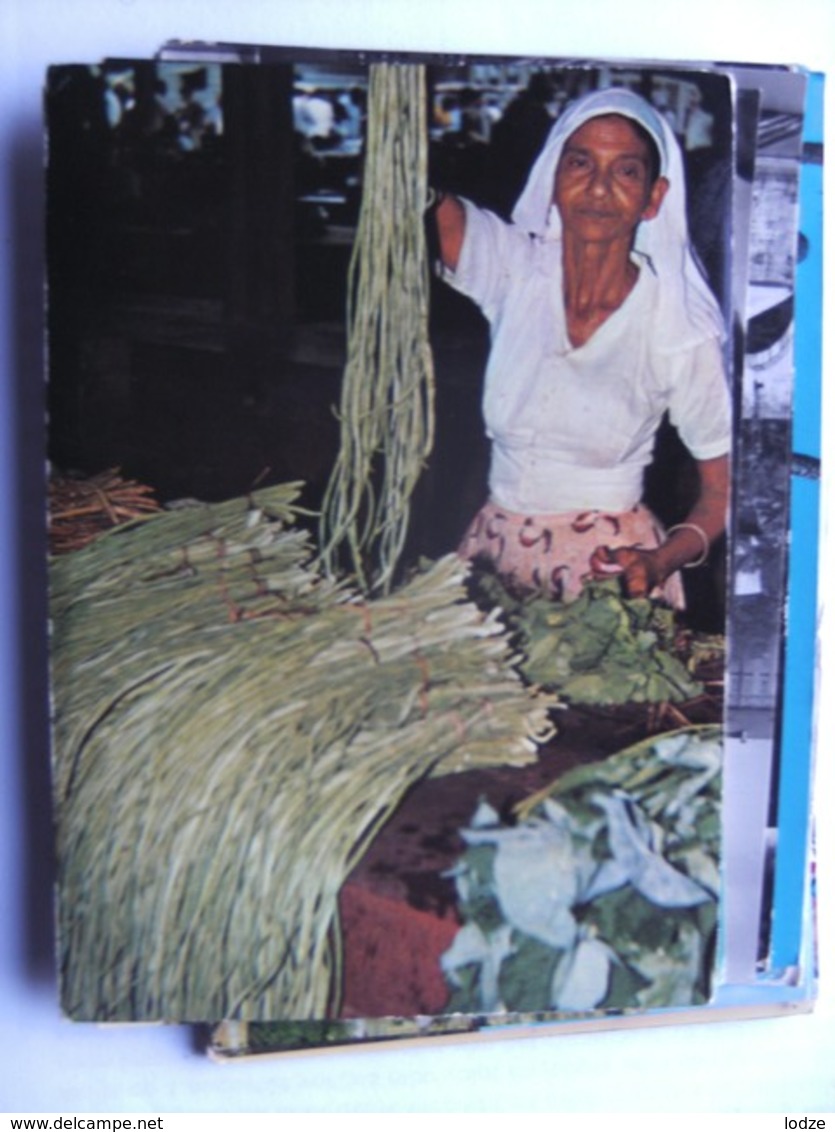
point(420, 445)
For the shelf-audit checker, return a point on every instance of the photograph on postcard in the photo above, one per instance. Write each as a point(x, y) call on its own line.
point(391, 427)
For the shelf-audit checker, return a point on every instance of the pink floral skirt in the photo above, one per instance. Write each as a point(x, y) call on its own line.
point(550, 553)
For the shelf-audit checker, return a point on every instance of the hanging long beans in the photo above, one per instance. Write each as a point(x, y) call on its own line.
point(386, 411)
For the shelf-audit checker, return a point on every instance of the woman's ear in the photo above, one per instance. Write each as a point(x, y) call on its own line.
point(656, 198)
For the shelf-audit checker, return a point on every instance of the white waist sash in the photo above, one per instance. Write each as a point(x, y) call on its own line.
point(534, 481)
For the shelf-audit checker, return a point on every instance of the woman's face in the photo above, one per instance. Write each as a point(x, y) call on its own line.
point(603, 186)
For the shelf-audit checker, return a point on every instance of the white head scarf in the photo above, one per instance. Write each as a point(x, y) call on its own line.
point(663, 241)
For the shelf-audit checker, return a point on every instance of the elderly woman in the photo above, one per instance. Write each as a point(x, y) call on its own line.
point(601, 322)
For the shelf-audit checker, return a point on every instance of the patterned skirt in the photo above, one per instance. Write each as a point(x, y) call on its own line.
point(550, 553)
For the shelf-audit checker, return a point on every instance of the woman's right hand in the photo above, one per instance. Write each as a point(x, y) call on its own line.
point(638, 568)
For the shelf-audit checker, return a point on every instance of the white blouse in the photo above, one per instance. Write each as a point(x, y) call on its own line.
point(572, 428)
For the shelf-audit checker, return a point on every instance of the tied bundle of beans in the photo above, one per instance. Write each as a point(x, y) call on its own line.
point(230, 733)
point(139, 598)
point(386, 410)
point(80, 509)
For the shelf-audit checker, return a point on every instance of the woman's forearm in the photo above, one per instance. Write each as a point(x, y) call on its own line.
point(689, 541)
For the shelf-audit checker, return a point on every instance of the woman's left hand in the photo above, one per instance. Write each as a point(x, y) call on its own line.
point(638, 568)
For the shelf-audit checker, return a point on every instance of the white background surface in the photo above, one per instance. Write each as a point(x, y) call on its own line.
point(47, 1064)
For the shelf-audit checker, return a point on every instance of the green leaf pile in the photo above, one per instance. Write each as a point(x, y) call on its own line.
point(603, 895)
point(601, 648)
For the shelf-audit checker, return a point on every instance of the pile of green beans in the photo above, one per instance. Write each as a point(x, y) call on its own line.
point(230, 730)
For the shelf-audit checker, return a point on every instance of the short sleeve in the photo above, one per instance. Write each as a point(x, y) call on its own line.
point(699, 400)
point(492, 253)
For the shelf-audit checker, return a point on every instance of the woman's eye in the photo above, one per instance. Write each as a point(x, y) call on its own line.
point(631, 171)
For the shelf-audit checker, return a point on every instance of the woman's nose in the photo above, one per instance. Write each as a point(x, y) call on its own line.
point(599, 182)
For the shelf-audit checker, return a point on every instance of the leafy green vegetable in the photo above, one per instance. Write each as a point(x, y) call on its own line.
point(603, 895)
point(601, 648)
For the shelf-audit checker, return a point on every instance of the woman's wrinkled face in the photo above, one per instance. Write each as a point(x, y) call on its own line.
point(603, 186)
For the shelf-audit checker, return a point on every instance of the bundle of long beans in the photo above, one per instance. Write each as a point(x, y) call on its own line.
point(386, 410)
point(230, 730)
point(81, 507)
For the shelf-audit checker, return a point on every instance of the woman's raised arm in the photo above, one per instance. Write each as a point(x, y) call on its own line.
point(451, 220)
